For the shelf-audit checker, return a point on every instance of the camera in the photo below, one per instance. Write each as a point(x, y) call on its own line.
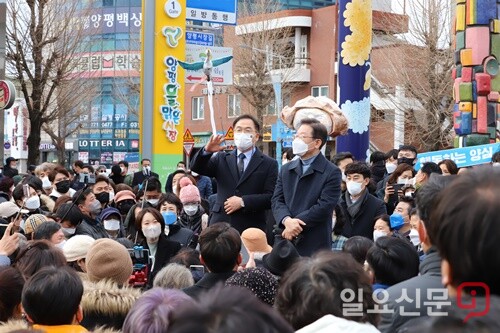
point(141, 261)
point(87, 178)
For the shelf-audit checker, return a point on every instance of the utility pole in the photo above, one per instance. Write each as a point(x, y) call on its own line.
point(3, 23)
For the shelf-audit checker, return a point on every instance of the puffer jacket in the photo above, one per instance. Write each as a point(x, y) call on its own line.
point(106, 305)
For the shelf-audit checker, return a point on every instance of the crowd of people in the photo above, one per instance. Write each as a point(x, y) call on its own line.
point(232, 243)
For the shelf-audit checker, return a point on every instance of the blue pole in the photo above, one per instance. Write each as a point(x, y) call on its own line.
point(354, 35)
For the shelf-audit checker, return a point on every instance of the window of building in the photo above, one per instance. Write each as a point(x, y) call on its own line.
point(197, 108)
point(234, 105)
point(319, 91)
point(271, 109)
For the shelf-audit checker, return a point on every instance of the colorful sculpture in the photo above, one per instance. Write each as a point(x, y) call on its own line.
point(355, 40)
point(477, 83)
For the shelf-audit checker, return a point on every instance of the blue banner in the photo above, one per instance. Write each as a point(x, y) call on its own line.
point(199, 38)
point(463, 157)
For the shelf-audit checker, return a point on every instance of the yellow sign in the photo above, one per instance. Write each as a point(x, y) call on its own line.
point(188, 137)
point(163, 29)
point(230, 133)
point(170, 25)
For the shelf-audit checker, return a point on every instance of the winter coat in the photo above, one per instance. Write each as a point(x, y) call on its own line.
point(106, 304)
point(165, 250)
point(92, 228)
point(429, 278)
point(361, 224)
point(182, 235)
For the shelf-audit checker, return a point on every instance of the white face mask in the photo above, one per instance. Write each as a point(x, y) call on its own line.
point(390, 167)
point(46, 182)
point(402, 181)
point(152, 232)
point(122, 169)
point(33, 202)
point(112, 225)
point(299, 147)
point(154, 202)
point(147, 169)
point(344, 177)
point(243, 141)
point(190, 209)
point(68, 232)
point(377, 234)
point(194, 174)
point(414, 237)
point(409, 194)
point(354, 188)
point(61, 244)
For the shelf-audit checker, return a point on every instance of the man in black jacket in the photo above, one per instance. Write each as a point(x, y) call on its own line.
point(360, 208)
point(220, 246)
point(145, 173)
point(9, 169)
point(245, 176)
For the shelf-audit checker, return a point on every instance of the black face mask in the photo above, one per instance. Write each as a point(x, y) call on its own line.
point(406, 160)
point(103, 197)
point(63, 186)
point(125, 206)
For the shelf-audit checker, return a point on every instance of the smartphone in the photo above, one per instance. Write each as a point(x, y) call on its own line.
point(26, 191)
point(197, 271)
point(396, 187)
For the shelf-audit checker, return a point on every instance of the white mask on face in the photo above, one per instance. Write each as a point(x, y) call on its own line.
point(354, 188)
point(243, 141)
point(402, 181)
point(299, 147)
point(112, 225)
point(61, 244)
point(344, 177)
point(122, 169)
point(154, 202)
point(414, 237)
point(111, 196)
point(68, 232)
point(409, 194)
point(390, 167)
point(46, 182)
point(190, 209)
point(377, 234)
point(147, 169)
point(152, 232)
point(33, 202)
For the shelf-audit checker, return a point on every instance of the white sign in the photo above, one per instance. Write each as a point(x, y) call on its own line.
point(219, 11)
point(173, 8)
point(221, 75)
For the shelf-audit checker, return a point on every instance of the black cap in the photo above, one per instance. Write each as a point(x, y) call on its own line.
point(283, 255)
point(10, 159)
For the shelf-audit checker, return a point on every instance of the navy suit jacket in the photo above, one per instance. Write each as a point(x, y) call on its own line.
point(310, 197)
point(255, 186)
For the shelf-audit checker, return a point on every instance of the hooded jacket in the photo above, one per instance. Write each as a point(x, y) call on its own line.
point(106, 304)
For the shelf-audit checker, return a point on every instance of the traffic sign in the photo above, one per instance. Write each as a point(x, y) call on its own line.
point(229, 138)
point(188, 137)
point(199, 38)
point(188, 147)
point(6, 145)
point(230, 133)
